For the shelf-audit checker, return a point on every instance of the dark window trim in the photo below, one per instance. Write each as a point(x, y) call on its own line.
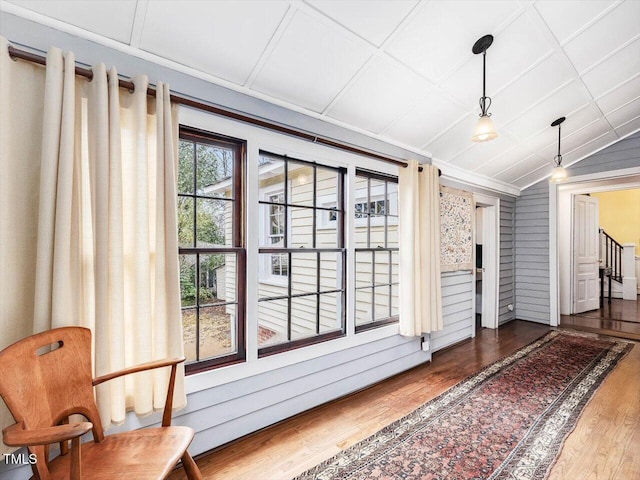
point(302, 342)
point(237, 245)
point(390, 319)
point(380, 323)
point(341, 248)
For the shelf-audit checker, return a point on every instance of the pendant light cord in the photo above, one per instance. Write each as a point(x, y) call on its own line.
point(559, 127)
point(559, 157)
point(484, 105)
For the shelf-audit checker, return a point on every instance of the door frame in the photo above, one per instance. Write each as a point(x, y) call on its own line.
point(560, 254)
point(490, 259)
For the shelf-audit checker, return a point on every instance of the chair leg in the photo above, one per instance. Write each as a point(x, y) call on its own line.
point(190, 467)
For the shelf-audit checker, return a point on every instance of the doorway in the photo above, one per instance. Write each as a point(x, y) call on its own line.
point(560, 235)
point(487, 276)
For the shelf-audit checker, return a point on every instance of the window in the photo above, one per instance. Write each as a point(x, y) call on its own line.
point(376, 249)
point(279, 264)
point(211, 248)
point(309, 305)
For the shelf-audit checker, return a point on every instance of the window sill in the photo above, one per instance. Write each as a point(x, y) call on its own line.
point(301, 343)
point(274, 282)
point(377, 324)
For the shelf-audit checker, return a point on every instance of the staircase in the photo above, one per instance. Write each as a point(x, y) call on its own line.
point(617, 266)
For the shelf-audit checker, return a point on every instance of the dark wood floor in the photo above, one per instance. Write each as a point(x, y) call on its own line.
point(621, 318)
point(294, 445)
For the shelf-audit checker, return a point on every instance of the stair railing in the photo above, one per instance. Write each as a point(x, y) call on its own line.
point(613, 255)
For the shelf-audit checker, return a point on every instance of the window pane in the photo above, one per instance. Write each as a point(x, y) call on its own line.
point(364, 273)
point(382, 268)
point(185, 167)
point(377, 193)
point(271, 221)
point(271, 285)
point(330, 312)
point(392, 198)
point(217, 278)
point(304, 271)
point(395, 269)
point(189, 333)
point(377, 232)
point(330, 271)
point(364, 306)
point(327, 184)
point(300, 184)
point(327, 234)
point(271, 174)
point(214, 171)
point(185, 222)
point(213, 226)
point(303, 317)
point(381, 311)
point(272, 322)
point(392, 232)
point(301, 227)
point(395, 309)
point(279, 265)
point(217, 331)
point(361, 206)
point(362, 233)
point(187, 264)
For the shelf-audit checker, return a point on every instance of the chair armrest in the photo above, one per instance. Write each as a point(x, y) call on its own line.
point(138, 368)
point(171, 362)
point(16, 436)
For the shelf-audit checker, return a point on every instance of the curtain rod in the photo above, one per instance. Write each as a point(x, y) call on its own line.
point(16, 53)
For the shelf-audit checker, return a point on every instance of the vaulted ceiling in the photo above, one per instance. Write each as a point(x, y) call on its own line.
point(402, 70)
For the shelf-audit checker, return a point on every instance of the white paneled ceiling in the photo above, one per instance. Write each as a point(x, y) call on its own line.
point(402, 70)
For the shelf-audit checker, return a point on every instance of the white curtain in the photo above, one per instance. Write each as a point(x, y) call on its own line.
point(419, 238)
point(107, 248)
point(21, 104)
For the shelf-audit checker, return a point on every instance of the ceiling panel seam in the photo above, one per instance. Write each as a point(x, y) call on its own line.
point(139, 19)
point(270, 46)
point(379, 51)
point(574, 70)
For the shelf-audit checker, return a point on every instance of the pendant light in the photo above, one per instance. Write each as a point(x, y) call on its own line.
point(484, 130)
point(558, 174)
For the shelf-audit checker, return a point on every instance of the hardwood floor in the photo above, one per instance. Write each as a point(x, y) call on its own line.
point(621, 318)
point(605, 443)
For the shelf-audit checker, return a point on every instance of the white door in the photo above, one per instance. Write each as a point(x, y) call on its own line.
point(490, 259)
point(585, 254)
point(489, 270)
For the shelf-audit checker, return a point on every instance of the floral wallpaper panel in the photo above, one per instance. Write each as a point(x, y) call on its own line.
point(457, 218)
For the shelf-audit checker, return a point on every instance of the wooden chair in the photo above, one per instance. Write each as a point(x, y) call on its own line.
point(43, 387)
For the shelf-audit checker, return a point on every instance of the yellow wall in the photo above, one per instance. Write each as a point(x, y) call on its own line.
point(620, 215)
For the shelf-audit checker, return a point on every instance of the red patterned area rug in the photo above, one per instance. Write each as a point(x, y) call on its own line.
point(508, 421)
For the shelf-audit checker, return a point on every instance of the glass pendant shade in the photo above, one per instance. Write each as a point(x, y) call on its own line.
point(558, 174)
point(484, 130)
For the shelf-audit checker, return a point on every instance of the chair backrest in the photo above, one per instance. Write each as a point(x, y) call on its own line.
point(46, 377)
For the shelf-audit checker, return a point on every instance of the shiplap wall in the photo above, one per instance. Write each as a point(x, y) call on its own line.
point(532, 254)
point(532, 228)
point(620, 155)
point(507, 244)
point(457, 309)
